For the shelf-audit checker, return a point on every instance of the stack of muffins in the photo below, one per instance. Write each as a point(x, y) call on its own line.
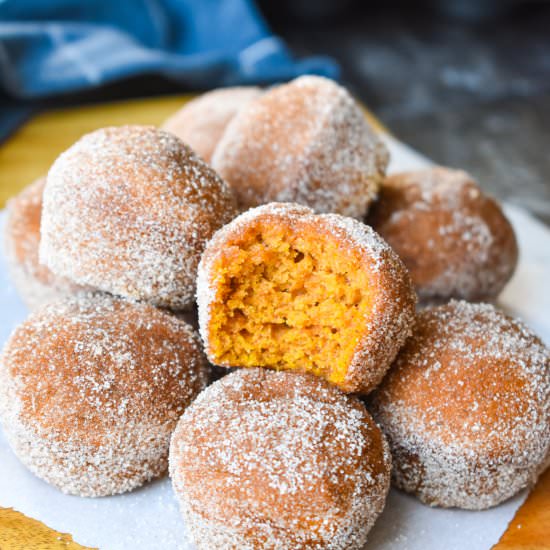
point(271, 211)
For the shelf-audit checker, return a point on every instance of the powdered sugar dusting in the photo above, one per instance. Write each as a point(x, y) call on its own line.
point(91, 389)
point(387, 323)
point(454, 239)
point(35, 283)
point(466, 407)
point(201, 122)
point(128, 210)
point(278, 460)
point(307, 142)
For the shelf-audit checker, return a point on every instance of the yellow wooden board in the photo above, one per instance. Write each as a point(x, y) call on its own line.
point(18, 532)
point(29, 153)
point(530, 528)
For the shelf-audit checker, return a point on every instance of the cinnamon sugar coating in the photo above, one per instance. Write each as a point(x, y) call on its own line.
point(271, 460)
point(128, 210)
point(35, 283)
point(454, 239)
point(285, 288)
point(202, 121)
point(466, 407)
point(91, 389)
point(307, 142)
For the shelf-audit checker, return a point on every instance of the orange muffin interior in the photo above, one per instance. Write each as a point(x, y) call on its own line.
point(289, 298)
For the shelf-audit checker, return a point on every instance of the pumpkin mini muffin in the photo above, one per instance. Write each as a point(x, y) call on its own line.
point(466, 407)
point(308, 142)
point(276, 460)
point(128, 210)
point(35, 283)
point(91, 389)
point(284, 288)
point(201, 122)
point(455, 241)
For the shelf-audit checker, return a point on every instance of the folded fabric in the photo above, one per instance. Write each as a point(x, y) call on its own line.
point(62, 46)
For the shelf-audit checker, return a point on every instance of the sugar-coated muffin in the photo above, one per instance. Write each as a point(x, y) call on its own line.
point(285, 288)
point(455, 241)
point(308, 142)
point(34, 282)
point(271, 460)
point(128, 210)
point(466, 407)
point(202, 121)
point(91, 389)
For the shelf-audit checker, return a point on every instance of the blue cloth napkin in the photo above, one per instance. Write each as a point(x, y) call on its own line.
point(50, 47)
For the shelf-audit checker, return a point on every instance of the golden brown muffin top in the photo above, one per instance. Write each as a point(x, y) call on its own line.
point(84, 367)
point(202, 121)
point(454, 239)
point(128, 210)
point(278, 456)
point(470, 379)
point(306, 141)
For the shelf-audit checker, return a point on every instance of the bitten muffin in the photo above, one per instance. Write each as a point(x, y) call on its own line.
point(466, 407)
point(201, 122)
point(284, 288)
point(272, 460)
point(307, 142)
point(34, 282)
point(92, 388)
point(128, 210)
point(454, 239)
